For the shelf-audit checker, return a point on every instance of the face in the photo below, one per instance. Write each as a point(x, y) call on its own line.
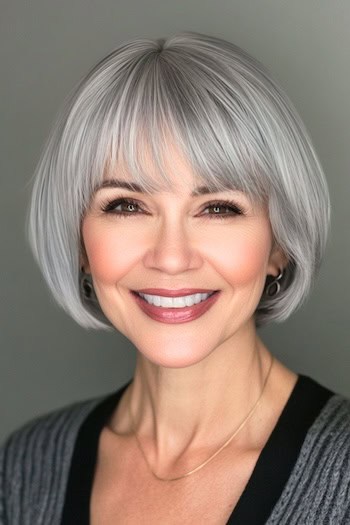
point(178, 241)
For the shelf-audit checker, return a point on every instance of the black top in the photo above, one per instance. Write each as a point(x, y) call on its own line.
point(268, 478)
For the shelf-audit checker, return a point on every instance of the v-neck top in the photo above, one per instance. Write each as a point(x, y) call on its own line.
point(265, 485)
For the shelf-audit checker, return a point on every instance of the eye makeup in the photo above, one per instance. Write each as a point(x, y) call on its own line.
point(133, 207)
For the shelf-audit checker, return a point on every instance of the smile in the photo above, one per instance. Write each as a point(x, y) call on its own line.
point(180, 309)
point(175, 302)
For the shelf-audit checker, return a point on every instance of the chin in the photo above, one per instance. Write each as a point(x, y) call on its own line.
point(171, 356)
point(172, 361)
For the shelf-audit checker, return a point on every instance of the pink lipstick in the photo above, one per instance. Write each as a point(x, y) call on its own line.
point(175, 315)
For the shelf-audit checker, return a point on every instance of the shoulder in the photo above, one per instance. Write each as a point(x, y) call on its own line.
point(332, 426)
point(319, 485)
point(37, 454)
point(327, 445)
point(49, 426)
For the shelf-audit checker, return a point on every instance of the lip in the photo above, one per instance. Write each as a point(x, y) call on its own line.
point(176, 315)
point(163, 292)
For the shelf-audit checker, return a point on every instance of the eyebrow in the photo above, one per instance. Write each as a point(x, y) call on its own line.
point(132, 186)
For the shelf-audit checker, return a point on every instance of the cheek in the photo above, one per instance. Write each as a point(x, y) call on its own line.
point(244, 257)
point(110, 253)
point(239, 257)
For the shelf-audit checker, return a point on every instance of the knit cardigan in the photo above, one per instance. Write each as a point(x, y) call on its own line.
point(35, 461)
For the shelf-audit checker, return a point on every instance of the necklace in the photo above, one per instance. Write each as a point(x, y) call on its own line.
point(245, 420)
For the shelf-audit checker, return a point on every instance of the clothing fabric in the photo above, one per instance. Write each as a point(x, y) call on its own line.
point(302, 475)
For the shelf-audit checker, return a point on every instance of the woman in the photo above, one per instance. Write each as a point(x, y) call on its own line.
point(179, 201)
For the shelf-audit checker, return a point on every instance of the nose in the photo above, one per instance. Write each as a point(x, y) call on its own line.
point(172, 250)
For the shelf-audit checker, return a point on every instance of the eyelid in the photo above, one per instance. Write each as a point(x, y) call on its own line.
point(108, 203)
point(226, 203)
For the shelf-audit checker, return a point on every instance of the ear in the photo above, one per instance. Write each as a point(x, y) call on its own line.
point(277, 261)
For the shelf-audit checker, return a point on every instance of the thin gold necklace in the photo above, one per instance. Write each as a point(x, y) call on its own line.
point(249, 415)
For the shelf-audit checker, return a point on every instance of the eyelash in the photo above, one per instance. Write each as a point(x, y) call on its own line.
point(109, 208)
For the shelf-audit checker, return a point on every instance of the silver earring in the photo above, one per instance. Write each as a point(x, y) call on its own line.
point(274, 286)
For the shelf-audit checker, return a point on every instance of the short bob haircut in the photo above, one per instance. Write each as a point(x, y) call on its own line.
point(232, 122)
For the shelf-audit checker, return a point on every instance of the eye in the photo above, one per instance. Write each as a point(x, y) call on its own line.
point(126, 207)
point(223, 209)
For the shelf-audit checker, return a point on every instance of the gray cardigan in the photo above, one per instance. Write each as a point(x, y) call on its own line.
point(35, 461)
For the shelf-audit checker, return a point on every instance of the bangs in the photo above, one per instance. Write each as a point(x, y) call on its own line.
point(160, 103)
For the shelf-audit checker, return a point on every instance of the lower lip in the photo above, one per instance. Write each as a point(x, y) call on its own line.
point(176, 315)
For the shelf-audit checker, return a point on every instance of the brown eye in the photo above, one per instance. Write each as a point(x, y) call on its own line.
point(129, 206)
point(222, 209)
point(121, 207)
point(217, 207)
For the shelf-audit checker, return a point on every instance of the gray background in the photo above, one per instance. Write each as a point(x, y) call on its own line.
point(48, 361)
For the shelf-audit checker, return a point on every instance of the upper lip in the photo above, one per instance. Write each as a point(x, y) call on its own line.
point(174, 293)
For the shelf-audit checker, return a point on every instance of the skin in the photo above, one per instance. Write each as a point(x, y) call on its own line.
point(194, 382)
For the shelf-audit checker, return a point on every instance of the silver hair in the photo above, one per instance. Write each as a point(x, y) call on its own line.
point(231, 120)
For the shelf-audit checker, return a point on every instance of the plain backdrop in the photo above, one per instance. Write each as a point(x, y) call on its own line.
point(46, 360)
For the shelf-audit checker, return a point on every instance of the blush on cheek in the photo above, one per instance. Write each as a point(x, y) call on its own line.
point(108, 265)
point(110, 256)
point(245, 260)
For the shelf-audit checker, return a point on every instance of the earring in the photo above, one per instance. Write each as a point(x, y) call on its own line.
point(274, 286)
point(86, 284)
point(87, 288)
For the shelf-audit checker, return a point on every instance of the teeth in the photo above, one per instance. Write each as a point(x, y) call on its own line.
point(175, 302)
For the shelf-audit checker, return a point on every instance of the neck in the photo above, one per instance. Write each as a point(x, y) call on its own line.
point(180, 410)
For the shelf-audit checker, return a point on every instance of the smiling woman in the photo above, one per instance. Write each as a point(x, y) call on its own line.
point(230, 121)
point(177, 243)
point(179, 201)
